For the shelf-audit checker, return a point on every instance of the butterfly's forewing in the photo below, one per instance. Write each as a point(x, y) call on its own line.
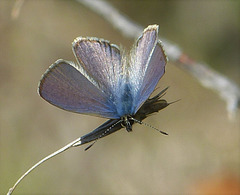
point(101, 61)
point(64, 86)
point(147, 65)
point(154, 72)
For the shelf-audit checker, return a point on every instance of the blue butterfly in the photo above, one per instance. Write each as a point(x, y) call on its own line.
point(107, 83)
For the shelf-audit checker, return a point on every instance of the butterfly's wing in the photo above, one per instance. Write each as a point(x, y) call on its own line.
point(147, 65)
point(66, 86)
point(103, 64)
point(103, 130)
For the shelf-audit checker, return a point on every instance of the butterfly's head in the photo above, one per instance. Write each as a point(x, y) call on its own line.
point(127, 122)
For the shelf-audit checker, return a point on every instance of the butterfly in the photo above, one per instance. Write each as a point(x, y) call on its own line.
point(105, 82)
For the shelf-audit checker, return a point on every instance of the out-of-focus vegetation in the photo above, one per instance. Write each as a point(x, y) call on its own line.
point(203, 146)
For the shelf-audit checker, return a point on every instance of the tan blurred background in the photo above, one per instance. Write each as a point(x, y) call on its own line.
point(202, 150)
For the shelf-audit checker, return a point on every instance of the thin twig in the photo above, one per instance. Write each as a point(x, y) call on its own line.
point(68, 146)
point(209, 78)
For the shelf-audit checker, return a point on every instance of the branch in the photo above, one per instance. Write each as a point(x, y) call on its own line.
point(208, 77)
point(68, 146)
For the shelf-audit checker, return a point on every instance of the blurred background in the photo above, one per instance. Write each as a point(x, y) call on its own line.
point(202, 151)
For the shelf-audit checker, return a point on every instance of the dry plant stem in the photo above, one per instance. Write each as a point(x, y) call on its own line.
point(68, 146)
point(208, 77)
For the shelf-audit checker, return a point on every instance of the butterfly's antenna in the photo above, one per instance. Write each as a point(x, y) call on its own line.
point(107, 130)
point(148, 125)
point(42, 161)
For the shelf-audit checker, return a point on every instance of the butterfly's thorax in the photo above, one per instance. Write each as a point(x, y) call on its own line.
point(125, 102)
